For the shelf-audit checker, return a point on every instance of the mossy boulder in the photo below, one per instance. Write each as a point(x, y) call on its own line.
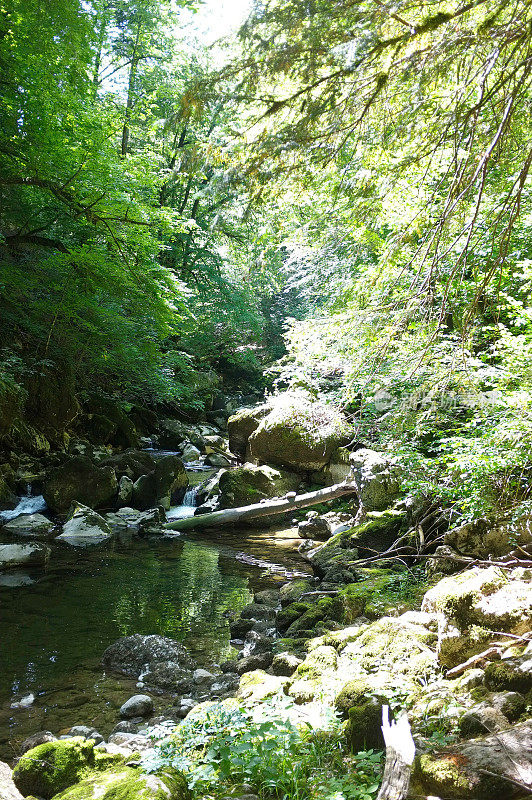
point(241, 425)
point(122, 432)
point(487, 768)
point(171, 480)
point(303, 616)
point(474, 603)
point(7, 497)
point(299, 435)
point(250, 484)
point(53, 766)
point(490, 536)
point(129, 784)
point(78, 479)
point(363, 730)
point(28, 439)
point(377, 479)
point(354, 693)
point(313, 676)
point(291, 592)
point(514, 674)
point(375, 534)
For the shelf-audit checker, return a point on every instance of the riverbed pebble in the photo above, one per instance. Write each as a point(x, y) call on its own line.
point(37, 738)
point(86, 732)
point(140, 705)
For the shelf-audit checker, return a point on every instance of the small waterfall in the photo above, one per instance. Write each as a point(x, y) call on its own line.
point(29, 504)
point(187, 507)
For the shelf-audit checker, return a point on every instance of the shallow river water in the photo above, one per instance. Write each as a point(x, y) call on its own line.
point(53, 631)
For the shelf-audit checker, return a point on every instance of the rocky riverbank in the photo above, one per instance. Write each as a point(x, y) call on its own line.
point(402, 610)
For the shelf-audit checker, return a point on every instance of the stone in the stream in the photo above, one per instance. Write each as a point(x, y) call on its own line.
point(285, 664)
point(317, 529)
point(240, 627)
point(125, 491)
point(140, 705)
point(160, 661)
point(84, 528)
point(86, 732)
point(37, 738)
point(242, 424)
point(217, 460)
point(253, 662)
point(79, 480)
point(268, 597)
point(27, 555)
point(257, 642)
point(258, 612)
point(190, 453)
point(30, 525)
point(130, 741)
point(171, 480)
point(8, 790)
point(298, 434)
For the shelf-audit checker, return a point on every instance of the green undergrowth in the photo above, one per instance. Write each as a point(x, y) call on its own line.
point(225, 746)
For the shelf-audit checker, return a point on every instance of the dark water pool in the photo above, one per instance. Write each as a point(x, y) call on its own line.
point(53, 631)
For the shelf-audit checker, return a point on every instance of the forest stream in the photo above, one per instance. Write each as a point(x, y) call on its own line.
point(51, 676)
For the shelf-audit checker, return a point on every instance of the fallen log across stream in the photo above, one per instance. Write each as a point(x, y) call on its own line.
point(231, 516)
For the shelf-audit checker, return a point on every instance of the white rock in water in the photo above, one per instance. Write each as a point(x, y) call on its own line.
point(16, 555)
point(85, 527)
point(34, 525)
point(24, 702)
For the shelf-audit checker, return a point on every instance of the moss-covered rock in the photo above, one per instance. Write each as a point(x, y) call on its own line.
point(378, 531)
point(171, 480)
point(122, 432)
point(299, 435)
point(79, 480)
point(52, 404)
point(490, 536)
point(28, 439)
point(241, 425)
point(354, 693)
point(313, 677)
point(250, 484)
point(304, 616)
point(363, 730)
point(129, 784)
point(53, 766)
point(473, 604)
point(486, 768)
point(291, 592)
point(377, 478)
point(514, 674)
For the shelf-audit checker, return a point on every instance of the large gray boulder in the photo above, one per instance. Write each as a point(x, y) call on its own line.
point(299, 435)
point(171, 480)
point(33, 526)
point(79, 480)
point(84, 528)
point(136, 655)
point(241, 425)
point(473, 604)
point(250, 484)
point(27, 555)
point(377, 479)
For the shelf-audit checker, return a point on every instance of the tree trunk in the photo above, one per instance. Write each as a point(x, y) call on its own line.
point(400, 752)
point(130, 91)
point(269, 508)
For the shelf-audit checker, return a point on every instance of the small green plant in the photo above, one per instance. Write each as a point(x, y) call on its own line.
point(225, 747)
